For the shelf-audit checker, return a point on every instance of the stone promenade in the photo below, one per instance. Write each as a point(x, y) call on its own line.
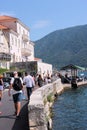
point(7, 120)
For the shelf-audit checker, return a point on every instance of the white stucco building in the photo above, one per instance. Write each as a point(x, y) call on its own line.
point(43, 68)
point(15, 42)
point(16, 38)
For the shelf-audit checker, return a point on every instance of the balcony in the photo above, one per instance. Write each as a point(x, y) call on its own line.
point(5, 56)
point(25, 52)
point(25, 38)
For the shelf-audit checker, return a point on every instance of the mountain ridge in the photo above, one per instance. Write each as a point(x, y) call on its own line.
point(65, 46)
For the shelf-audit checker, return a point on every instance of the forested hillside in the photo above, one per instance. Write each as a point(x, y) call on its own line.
point(62, 47)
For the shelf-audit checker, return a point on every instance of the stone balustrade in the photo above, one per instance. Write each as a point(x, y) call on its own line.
point(41, 102)
point(40, 105)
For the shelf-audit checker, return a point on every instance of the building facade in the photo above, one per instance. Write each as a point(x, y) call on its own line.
point(15, 43)
point(15, 39)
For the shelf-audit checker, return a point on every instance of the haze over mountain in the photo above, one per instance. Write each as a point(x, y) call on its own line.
point(63, 47)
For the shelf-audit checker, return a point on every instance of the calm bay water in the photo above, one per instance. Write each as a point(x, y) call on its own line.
point(70, 110)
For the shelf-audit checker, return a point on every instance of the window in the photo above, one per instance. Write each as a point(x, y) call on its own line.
point(1, 39)
point(15, 41)
point(19, 43)
point(23, 31)
point(12, 40)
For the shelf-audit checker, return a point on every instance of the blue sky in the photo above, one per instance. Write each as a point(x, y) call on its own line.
point(46, 16)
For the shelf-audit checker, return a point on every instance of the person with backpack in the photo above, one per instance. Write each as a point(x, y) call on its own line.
point(16, 86)
point(1, 89)
point(29, 82)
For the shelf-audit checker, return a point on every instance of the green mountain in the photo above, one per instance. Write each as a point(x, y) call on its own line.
point(63, 47)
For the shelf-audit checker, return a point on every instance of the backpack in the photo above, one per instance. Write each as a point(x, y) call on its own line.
point(17, 85)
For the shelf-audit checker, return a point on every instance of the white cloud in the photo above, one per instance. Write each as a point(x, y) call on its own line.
point(41, 24)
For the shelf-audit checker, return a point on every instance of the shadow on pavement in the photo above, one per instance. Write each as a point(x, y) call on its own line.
point(22, 123)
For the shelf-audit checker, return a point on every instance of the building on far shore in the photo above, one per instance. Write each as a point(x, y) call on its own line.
point(16, 46)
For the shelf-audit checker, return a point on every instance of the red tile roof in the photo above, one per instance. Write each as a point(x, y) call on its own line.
point(3, 27)
point(4, 18)
point(7, 18)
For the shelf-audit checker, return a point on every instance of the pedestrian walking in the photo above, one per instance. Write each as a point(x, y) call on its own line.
point(40, 80)
point(16, 86)
point(1, 90)
point(29, 82)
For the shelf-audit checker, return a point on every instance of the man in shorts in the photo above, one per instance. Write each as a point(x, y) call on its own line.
point(17, 95)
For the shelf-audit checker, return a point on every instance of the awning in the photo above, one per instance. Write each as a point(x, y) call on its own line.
point(74, 67)
point(81, 68)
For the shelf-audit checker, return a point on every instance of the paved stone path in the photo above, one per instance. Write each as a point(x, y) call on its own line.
point(7, 120)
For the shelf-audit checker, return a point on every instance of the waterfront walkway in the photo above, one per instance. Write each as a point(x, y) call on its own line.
point(7, 119)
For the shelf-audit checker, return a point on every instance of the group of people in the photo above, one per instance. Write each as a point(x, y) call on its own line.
point(40, 81)
point(16, 89)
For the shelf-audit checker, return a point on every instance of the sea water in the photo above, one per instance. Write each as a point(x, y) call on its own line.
point(70, 110)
